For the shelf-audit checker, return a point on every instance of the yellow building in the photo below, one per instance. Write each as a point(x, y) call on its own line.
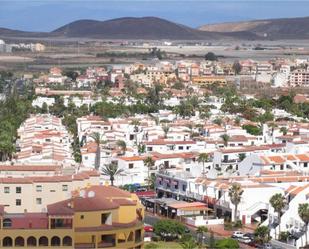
point(95, 217)
point(208, 80)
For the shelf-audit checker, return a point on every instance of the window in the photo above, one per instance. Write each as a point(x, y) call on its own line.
point(38, 201)
point(180, 147)
point(305, 165)
point(7, 223)
point(64, 187)
point(82, 217)
point(38, 188)
point(104, 218)
point(184, 187)
point(18, 202)
point(6, 190)
point(18, 190)
point(131, 165)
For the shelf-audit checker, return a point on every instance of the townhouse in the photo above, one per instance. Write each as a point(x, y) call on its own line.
point(43, 139)
point(94, 217)
point(30, 192)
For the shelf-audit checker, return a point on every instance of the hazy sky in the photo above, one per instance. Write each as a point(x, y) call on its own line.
point(46, 15)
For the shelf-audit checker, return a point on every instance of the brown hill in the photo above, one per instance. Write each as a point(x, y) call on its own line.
point(285, 28)
point(132, 28)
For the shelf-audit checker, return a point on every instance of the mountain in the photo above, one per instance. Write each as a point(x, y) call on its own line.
point(284, 28)
point(153, 28)
point(147, 28)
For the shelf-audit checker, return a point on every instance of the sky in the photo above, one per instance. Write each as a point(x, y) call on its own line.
point(47, 15)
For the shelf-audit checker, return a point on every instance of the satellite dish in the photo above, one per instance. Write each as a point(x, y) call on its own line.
point(91, 194)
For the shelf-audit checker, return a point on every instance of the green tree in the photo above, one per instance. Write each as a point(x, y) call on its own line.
point(149, 162)
point(303, 212)
point(252, 129)
point(188, 242)
point(200, 232)
point(122, 144)
point(278, 202)
point(203, 158)
point(212, 241)
point(111, 170)
point(261, 234)
point(169, 229)
point(237, 67)
point(44, 108)
point(165, 129)
point(241, 156)
point(218, 121)
point(284, 130)
point(235, 193)
point(96, 136)
point(225, 139)
point(210, 56)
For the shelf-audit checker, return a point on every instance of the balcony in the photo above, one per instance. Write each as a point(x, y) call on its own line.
point(61, 223)
point(107, 241)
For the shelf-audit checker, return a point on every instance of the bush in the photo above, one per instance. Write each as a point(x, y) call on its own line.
point(151, 246)
point(169, 229)
point(227, 243)
point(228, 226)
point(237, 224)
point(283, 236)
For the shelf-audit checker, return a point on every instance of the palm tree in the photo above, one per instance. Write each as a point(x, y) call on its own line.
point(149, 162)
point(165, 129)
point(136, 123)
point(284, 130)
point(111, 170)
point(235, 193)
point(200, 232)
point(303, 212)
point(225, 139)
point(278, 202)
point(188, 242)
point(122, 144)
point(202, 158)
point(261, 234)
point(96, 136)
point(241, 157)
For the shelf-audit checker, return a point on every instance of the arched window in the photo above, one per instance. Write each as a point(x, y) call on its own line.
point(43, 241)
point(55, 241)
point(7, 242)
point(19, 241)
point(67, 241)
point(7, 223)
point(31, 241)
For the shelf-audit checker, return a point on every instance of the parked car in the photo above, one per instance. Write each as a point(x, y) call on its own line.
point(249, 235)
point(245, 240)
point(237, 234)
point(148, 228)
